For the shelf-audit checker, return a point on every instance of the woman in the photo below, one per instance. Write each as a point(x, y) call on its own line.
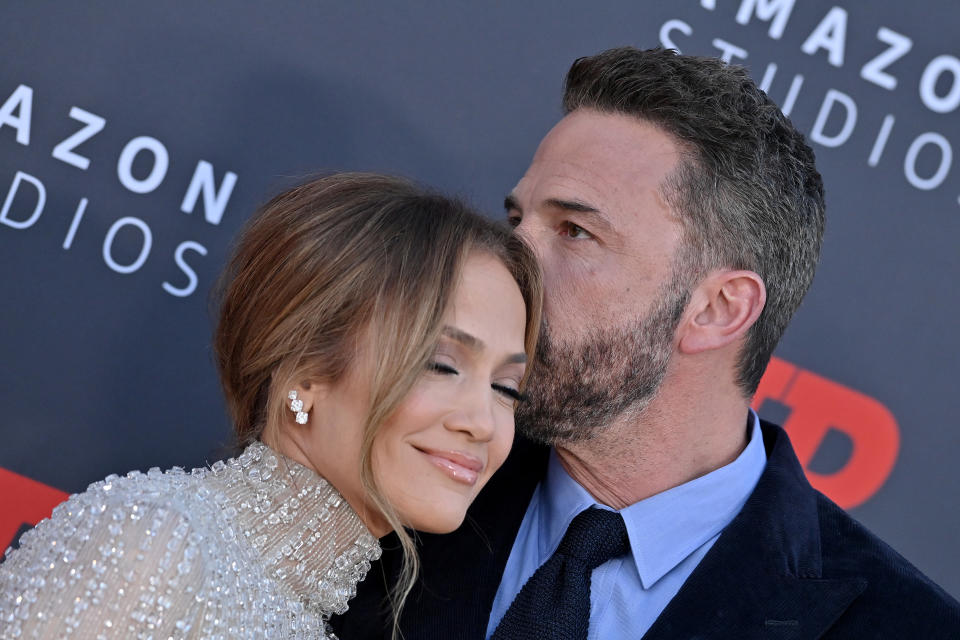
point(371, 344)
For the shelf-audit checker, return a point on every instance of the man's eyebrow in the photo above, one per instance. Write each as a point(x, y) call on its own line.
point(589, 213)
point(570, 205)
point(511, 203)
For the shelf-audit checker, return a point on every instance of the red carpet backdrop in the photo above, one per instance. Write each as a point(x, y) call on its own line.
point(136, 138)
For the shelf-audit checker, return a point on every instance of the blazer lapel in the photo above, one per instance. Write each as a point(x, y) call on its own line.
point(763, 578)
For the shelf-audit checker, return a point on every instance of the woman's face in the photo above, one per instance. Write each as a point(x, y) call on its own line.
point(454, 428)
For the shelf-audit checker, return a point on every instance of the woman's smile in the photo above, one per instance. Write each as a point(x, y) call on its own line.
point(461, 467)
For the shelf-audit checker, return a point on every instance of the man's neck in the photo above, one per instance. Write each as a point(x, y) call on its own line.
point(673, 441)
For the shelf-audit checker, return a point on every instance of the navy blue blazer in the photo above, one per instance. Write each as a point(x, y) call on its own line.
point(791, 565)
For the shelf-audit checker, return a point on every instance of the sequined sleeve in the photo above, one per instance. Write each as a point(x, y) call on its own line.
point(113, 562)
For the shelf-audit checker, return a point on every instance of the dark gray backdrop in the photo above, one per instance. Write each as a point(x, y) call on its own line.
point(104, 371)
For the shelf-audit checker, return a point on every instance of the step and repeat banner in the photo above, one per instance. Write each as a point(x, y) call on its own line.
point(136, 138)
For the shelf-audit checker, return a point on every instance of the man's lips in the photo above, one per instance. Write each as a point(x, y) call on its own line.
point(459, 466)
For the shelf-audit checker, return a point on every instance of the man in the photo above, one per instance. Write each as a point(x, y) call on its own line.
point(678, 216)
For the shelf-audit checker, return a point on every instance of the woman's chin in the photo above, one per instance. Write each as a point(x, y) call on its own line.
point(437, 521)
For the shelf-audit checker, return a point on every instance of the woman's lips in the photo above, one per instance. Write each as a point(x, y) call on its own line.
point(459, 466)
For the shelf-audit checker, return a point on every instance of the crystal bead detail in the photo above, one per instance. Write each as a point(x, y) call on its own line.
point(254, 547)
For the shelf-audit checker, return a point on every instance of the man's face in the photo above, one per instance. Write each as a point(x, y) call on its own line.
point(591, 207)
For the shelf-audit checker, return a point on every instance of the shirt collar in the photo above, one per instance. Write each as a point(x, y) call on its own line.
point(666, 528)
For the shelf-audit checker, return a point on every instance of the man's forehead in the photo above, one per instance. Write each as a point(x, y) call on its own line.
point(564, 178)
point(599, 157)
point(597, 134)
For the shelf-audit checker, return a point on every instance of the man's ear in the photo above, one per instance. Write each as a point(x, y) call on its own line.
point(722, 309)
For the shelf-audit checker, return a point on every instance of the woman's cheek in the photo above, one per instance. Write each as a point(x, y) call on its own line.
point(502, 444)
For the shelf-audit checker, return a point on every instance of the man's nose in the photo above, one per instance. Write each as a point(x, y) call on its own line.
point(532, 234)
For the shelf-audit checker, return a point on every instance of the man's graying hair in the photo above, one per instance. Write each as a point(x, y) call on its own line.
point(746, 191)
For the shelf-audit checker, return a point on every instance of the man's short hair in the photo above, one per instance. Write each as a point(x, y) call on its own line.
point(746, 191)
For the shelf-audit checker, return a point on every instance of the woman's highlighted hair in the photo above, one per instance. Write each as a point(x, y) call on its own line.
point(340, 261)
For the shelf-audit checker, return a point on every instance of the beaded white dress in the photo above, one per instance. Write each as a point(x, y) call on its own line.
point(257, 546)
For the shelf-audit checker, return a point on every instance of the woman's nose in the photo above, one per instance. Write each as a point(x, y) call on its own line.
point(474, 415)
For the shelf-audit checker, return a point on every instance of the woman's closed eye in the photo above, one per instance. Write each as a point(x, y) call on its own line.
point(509, 392)
point(505, 390)
point(443, 369)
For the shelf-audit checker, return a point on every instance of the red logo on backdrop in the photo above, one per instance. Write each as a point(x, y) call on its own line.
point(816, 406)
point(25, 502)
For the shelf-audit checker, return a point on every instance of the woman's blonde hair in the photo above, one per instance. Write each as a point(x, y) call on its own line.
point(343, 261)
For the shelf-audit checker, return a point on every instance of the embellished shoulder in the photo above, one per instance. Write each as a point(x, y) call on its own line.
point(256, 546)
point(120, 558)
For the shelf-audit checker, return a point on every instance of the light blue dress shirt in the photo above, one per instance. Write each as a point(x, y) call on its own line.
point(669, 535)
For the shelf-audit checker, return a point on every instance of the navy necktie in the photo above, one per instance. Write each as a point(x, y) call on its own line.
point(555, 601)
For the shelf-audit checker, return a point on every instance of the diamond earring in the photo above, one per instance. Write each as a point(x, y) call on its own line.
point(296, 405)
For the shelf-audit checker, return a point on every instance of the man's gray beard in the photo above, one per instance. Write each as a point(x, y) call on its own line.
point(576, 389)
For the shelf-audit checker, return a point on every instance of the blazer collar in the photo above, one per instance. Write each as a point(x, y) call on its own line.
point(763, 577)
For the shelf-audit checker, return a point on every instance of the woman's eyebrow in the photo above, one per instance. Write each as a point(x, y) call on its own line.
point(516, 358)
point(471, 342)
point(476, 344)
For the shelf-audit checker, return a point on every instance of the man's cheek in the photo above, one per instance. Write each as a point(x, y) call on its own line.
point(582, 288)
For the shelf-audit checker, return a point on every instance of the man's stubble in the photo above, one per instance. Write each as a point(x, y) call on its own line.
point(577, 388)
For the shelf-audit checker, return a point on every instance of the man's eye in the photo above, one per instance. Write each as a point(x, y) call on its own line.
point(513, 221)
point(576, 231)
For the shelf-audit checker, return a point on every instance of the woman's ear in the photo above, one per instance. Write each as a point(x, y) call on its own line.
point(722, 309)
point(304, 405)
point(302, 399)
